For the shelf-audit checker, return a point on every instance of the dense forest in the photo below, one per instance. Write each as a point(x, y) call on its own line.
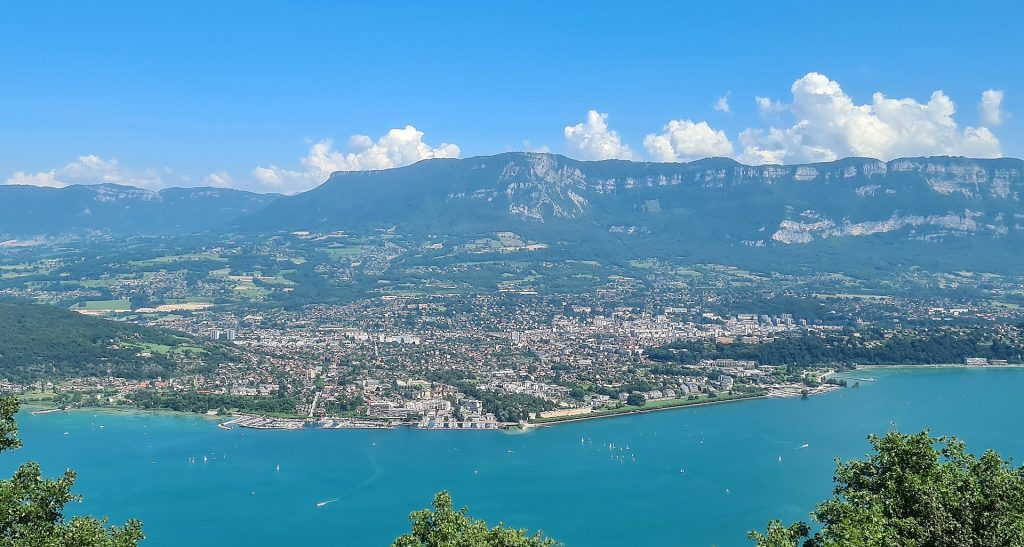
point(203, 402)
point(45, 342)
point(846, 348)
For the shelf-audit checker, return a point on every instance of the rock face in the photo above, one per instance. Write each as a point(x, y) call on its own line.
point(714, 208)
point(716, 198)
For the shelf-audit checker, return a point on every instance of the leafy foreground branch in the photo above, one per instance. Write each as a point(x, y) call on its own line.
point(446, 527)
point(916, 490)
point(32, 508)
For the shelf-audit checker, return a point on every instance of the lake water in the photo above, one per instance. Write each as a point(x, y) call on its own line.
point(693, 476)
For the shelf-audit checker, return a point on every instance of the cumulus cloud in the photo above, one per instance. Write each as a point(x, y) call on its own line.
point(684, 140)
point(830, 125)
point(593, 140)
point(722, 104)
point(991, 107)
point(42, 178)
point(768, 107)
point(90, 169)
point(396, 148)
point(220, 179)
point(530, 147)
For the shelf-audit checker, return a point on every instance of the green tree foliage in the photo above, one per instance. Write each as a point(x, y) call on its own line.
point(636, 399)
point(32, 508)
point(506, 407)
point(868, 348)
point(779, 535)
point(445, 527)
point(188, 401)
point(915, 490)
point(45, 342)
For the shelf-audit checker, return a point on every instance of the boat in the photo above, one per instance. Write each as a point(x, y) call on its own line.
point(805, 445)
point(325, 502)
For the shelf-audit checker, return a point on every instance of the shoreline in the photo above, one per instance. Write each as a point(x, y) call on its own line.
point(35, 407)
point(580, 418)
point(939, 366)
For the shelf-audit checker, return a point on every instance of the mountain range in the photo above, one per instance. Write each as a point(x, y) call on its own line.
point(120, 210)
point(656, 208)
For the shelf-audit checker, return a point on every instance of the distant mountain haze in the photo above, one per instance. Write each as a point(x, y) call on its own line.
point(111, 209)
point(918, 198)
point(715, 205)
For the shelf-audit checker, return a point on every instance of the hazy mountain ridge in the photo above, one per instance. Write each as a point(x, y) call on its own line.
point(117, 210)
point(925, 197)
point(653, 209)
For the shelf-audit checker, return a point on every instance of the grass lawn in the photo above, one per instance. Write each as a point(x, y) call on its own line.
point(163, 349)
point(104, 305)
point(343, 252)
point(171, 259)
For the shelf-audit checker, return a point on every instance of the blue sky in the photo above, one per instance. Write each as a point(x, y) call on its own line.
point(189, 93)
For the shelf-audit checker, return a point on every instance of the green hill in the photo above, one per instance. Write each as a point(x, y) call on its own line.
point(45, 342)
point(120, 210)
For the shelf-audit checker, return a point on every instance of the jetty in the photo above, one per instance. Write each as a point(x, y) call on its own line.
point(263, 422)
point(354, 423)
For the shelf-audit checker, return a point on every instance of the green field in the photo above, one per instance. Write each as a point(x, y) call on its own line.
point(344, 252)
point(249, 290)
point(104, 305)
point(163, 349)
point(172, 259)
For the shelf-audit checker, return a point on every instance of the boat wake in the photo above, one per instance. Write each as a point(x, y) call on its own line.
point(325, 502)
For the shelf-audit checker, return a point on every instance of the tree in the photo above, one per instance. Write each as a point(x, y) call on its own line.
point(636, 399)
point(32, 508)
point(445, 527)
point(779, 535)
point(915, 490)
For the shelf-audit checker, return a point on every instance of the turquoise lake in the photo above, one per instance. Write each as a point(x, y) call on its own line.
point(562, 479)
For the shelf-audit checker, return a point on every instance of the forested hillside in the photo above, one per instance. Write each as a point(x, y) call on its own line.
point(45, 342)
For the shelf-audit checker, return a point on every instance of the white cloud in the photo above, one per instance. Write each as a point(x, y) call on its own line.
point(684, 140)
point(43, 178)
point(397, 148)
point(530, 147)
point(90, 169)
point(991, 107)
point(768, 107)
point(593, 140)
point(829, 125)
point(722, 104)
point(220, 179)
